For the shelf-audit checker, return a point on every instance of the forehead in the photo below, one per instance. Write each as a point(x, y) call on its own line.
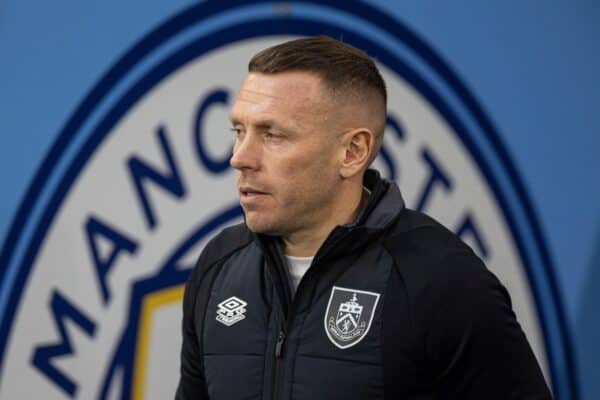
point(286, 94)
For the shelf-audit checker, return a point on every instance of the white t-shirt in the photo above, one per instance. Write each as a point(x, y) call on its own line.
point(297, 267)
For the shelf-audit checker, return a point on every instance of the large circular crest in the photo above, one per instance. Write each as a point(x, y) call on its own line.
point(139, 179)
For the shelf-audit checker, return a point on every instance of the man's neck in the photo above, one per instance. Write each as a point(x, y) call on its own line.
point(306, 243)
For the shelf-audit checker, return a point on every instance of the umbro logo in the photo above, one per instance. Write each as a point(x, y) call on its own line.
point(231, 311)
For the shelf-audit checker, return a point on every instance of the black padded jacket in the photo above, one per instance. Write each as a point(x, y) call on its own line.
point(394, 306)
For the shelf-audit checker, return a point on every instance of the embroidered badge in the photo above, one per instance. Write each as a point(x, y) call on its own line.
point(231, 311)
point(349, 315)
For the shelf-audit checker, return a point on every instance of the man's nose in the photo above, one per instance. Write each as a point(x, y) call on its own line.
point(246, 153)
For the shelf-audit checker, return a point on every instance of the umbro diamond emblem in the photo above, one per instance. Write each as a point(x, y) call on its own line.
point(231, 311)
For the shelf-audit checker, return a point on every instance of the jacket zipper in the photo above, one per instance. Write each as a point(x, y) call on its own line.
point(279, 365)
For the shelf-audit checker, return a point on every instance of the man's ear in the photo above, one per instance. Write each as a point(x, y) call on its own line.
point(358, 145)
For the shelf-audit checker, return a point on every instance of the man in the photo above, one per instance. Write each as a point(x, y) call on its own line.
point(332, 289)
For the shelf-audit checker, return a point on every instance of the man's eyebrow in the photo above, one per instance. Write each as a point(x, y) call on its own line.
point(262, 124)
point(259, 124)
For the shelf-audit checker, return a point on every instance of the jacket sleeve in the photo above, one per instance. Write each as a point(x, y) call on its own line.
point(191, 383)
point(474, 344)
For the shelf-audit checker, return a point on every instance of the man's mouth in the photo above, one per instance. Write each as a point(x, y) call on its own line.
point(246, 191)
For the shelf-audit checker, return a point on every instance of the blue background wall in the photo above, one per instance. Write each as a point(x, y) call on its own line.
point(533, 66)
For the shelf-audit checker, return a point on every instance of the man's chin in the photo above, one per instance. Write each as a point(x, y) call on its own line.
point(262, 227)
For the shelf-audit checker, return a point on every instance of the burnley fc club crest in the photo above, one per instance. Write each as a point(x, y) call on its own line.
point(349, 315)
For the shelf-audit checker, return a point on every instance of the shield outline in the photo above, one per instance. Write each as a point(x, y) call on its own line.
point(332, 340)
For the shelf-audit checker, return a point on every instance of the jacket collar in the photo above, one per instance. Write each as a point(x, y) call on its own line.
point(383, 207)
point(384, 204)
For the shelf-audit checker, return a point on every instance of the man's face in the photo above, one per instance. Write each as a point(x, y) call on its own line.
point(286, 152)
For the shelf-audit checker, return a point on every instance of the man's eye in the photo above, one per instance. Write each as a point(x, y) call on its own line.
point(236, 131)
point(273, 136)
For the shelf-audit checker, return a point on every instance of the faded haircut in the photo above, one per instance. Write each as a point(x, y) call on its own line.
point(340, 65)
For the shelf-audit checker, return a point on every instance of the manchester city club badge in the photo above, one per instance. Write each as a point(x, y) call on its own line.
point(349, 315)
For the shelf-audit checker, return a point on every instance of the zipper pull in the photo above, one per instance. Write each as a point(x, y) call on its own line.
point(279, 345)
